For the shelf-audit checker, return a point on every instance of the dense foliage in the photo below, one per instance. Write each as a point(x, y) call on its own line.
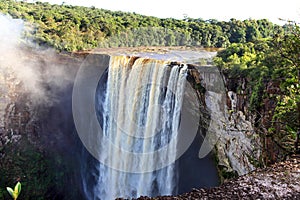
point(272, 70)
point(75, 28)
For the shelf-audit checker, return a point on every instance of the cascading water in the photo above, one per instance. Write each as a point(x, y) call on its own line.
point(140, 116)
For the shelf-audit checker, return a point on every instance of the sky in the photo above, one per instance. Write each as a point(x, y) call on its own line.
point(222, 10)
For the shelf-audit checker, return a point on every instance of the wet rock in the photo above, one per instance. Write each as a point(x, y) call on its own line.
point(279, 181)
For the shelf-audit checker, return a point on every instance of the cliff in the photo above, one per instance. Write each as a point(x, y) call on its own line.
point(36, 133)
point(39, 145)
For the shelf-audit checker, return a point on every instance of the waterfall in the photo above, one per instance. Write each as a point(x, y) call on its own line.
point(140, 113)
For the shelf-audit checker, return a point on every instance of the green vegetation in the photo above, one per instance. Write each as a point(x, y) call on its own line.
point(223, 172)
point(14, 193)
point(74, 28)
point(40, 173)
point(271, 68)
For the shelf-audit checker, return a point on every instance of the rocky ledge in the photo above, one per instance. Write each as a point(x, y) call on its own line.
point(279, 181)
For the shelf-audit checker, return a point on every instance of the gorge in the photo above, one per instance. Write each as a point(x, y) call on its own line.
point(203, 113)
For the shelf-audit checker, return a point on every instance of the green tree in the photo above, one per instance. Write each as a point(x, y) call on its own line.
point(272, 70)
point(288, 108)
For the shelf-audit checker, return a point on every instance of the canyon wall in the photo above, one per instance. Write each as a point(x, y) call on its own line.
point(43, 135)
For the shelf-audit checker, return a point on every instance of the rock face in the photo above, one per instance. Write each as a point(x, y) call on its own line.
point(224, 115)
point(240, 144)
point(35, 136)
point(255, 121)
point(16, 114)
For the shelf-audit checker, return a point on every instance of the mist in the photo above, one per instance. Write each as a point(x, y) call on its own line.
point(33, 66)
point(36, 85)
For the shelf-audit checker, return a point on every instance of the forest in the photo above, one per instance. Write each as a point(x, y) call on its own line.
point(72, 28)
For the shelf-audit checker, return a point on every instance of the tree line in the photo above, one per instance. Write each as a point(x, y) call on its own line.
point(72, 28)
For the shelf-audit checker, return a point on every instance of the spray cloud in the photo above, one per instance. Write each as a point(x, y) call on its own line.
point(34, 67)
